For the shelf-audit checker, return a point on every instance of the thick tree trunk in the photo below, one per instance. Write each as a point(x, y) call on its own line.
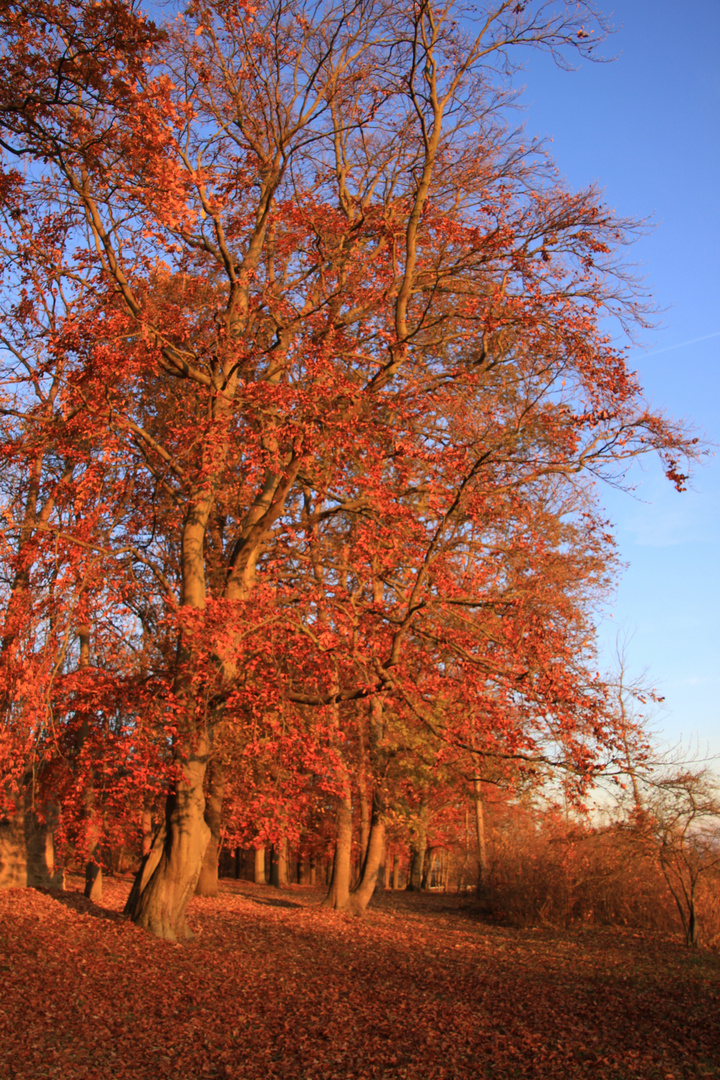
point(338, 896)
point(396, 872)
point(279, 868)
point(207, 884)
point(166, 881)
point(259, 868)
point(363, 800)
point(303, 872)
point(362, 894)
point(417, 859)
point(426, 866)
point(147, 830)
point(364, 807)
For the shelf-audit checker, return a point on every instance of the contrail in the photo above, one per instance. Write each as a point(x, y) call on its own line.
point(682, 344)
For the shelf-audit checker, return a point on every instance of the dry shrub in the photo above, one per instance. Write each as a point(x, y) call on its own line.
point(546, 870)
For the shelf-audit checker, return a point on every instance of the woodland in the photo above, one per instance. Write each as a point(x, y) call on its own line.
point(310, 384)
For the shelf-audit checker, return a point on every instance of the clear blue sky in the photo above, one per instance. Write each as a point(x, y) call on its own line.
point(646, 128)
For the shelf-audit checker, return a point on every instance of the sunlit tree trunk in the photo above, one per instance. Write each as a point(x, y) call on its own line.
point(259, 866)
point(362, 894)
point(147, 830)
point(178, 853)
point(164, 895)
point(208, 880)
point(396, 872)
point(363, 798)
point(279, 868)
point(338, 895)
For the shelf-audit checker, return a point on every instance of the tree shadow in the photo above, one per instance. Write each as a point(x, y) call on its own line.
point(271, 901)
point(82, 905)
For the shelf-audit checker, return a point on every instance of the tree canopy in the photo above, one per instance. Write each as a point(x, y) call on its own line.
point(307, 384)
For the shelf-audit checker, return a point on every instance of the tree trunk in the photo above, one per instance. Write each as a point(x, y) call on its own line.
point(207, 884)
point(364, 806)
point(426, 865)
point(396, 872)
point(692, 936)
point(338, 896)
point(417, 858)
point(93, 869)
point(279, 866)
point(365, 814)
point(259, 875)
point(362, 894)
point(147, 835)
point(167, 879)
point(480, 832)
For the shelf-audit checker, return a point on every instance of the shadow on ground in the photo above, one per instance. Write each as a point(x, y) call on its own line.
point(80, 904)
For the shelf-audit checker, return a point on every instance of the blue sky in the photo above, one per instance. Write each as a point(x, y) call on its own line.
point(646, 128)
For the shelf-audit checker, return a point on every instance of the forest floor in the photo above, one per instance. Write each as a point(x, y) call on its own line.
point(275, 987)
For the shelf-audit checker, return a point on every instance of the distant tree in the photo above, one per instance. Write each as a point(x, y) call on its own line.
point(684, 822)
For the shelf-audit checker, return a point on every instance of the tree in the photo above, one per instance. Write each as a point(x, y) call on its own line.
point(683, 820)
point(348, 305)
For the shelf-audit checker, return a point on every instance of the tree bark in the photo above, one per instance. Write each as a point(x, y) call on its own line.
point(417, 857)
point(338, 896)
point(362, 894)
point(146, 825)
point(363, 799)
point(693, 930)
point(167, 879)
point(93, 870)
point(207, 884)
point(93, 867)
point(480, 833)
point(426, 865)
point(259, 869)
point(396, 872)
point(279, 866)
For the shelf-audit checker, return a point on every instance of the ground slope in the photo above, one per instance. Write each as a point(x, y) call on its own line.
point(274, 987)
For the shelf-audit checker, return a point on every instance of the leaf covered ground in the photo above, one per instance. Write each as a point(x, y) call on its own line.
point(274, 987)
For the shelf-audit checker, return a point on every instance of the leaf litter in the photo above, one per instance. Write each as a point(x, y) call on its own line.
point(274, 986)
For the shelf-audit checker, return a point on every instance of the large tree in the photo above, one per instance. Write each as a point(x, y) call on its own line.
point(320, 290)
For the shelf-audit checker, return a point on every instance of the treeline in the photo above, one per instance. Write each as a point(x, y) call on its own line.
point(306, 391)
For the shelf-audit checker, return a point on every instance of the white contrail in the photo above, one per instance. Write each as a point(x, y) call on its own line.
point(682, 344)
